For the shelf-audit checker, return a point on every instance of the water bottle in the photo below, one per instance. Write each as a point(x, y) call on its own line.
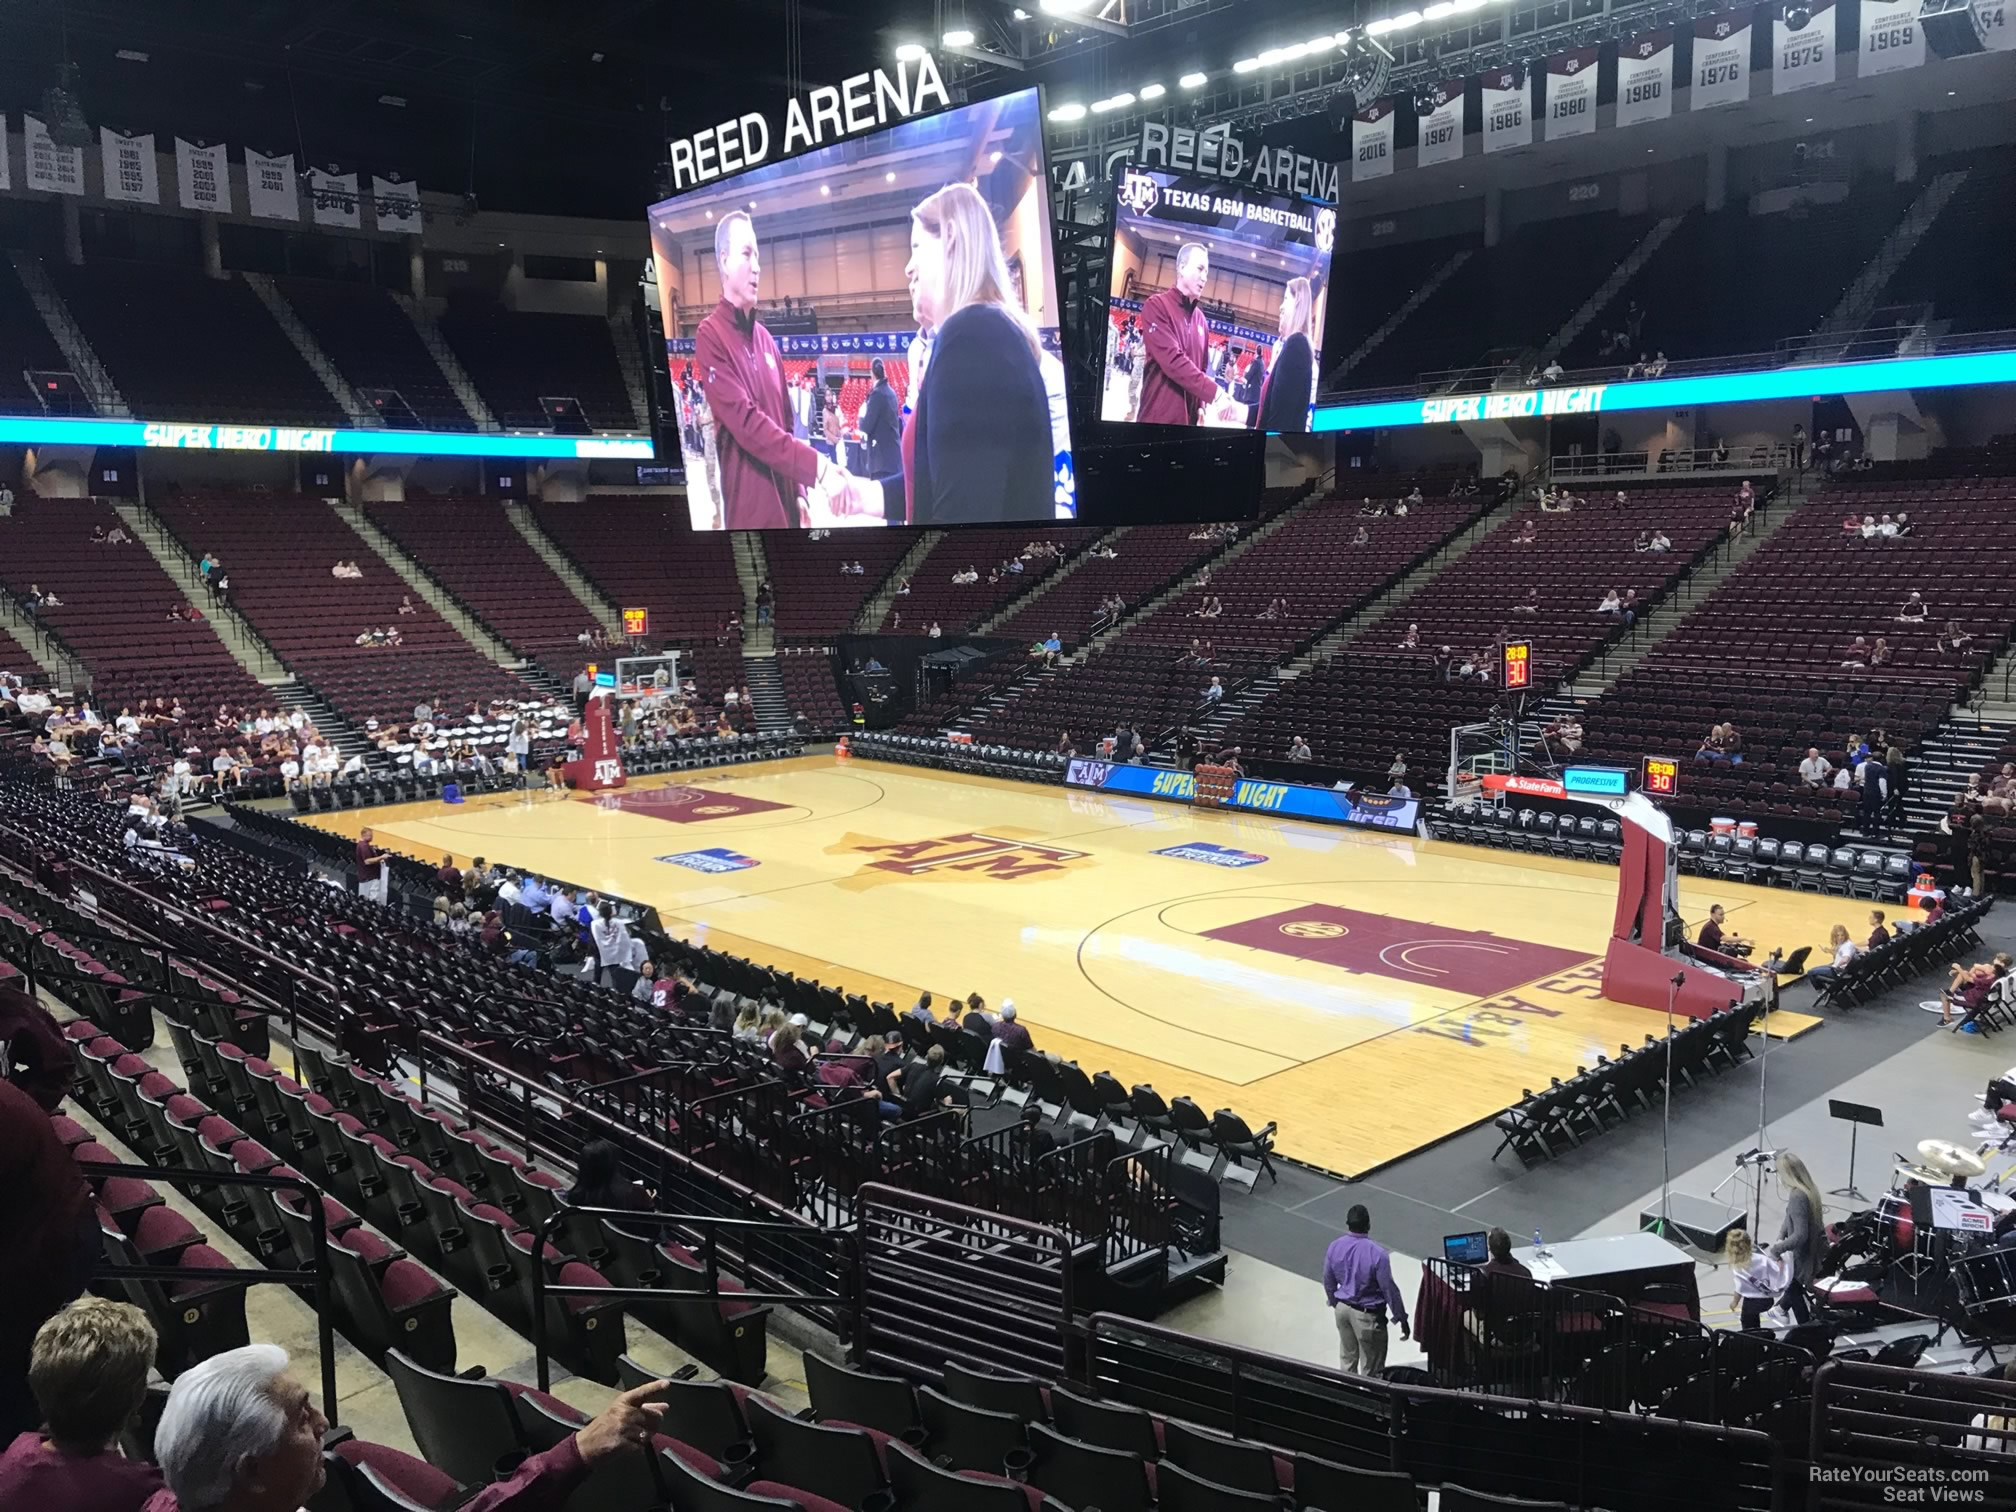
point(1539, 1249)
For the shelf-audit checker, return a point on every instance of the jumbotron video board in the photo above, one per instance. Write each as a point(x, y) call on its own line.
point(869, 333)
point(1216, 304)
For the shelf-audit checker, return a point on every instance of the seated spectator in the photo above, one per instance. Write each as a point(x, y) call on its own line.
point(1362, 538)
point(1967, 988)
point(1857, 654)
point(1913, 611)
point(1300, 751)
point(1714, 745)
point(1414, 499)
point(1660, 542)
point(1053, 647)
point(406, 604)
point(1886, 529)
point(88, 1371)
point(1010, 1034)
point(1629, 608)
point(1567, 730)
point(1216, 691)
point(1528, 533)
point(1953, 640)
point(1642, 541)
point(1498, 1246)
point(1903, 523)
point(1845, 951)
point(1530, 604)
point(1851, 527)
point(1879, 654)
point(1612, 606)
point(599, 1181)
point(1411, 641)
point(1815, 769)
point(1868, 530)
point(1879, 934)
point(1656, 368)
point(240, 1434)
point(1714, 935)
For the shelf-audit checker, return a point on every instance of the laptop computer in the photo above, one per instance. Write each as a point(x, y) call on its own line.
point(1465, 1249)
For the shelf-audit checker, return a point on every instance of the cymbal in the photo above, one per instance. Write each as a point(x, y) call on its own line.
point(1953, 1159)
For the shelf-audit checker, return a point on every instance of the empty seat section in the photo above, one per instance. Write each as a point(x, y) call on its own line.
point(375, 346)
point(183, 346)
point(515, 359)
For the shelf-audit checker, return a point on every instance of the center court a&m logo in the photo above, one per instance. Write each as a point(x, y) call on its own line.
point(969, 856)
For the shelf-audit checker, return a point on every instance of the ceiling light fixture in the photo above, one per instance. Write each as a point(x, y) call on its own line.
point(825, 189)
point(1072, 112)
point(1245, 65)
point(1153, 91)
point(128, 55)
point(909, 52)
point(958, 37)
point(1199, 80)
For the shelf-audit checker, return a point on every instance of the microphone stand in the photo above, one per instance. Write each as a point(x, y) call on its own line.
point(1665, 1225)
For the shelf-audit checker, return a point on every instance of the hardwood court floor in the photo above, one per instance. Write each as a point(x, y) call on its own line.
point(1371, 992)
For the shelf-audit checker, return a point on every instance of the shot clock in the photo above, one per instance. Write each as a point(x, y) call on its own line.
point(1662, 777)
point(1518, 666)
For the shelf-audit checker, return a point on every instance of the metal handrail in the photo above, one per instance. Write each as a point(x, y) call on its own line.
point(316, 1276)
point(709, 1228)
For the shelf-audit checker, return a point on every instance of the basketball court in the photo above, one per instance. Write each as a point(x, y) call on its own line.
point(1372, 992)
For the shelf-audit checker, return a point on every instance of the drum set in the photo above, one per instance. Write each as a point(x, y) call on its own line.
point(1945, 1242)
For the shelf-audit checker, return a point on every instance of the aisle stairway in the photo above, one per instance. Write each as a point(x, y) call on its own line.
point(247, 646)
point(438, 598)
point(1048, 581)
point(766, 690)
point(591, 597)
point(752, 570)
point(875, 608)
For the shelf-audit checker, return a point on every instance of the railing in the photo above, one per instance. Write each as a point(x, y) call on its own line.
point(708, 1231)
point(1881, 1436)
point(315, 1276)
point(941, 1281)
point(1510, 1336)
point(1743, 462)
point(1585, 1456)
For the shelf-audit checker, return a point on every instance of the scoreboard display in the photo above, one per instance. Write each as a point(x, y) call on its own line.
point(1518, 666)
point(1662, 777)
point(636, 623)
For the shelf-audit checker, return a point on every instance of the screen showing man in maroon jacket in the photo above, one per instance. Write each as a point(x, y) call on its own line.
point(1216, 303)
point(1175, 339)
point(762, 465)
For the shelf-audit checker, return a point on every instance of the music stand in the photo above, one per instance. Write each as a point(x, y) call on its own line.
point(1854, 1115)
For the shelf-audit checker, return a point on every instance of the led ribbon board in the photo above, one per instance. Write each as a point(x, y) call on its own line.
point(1956, 370)
point(161, 435)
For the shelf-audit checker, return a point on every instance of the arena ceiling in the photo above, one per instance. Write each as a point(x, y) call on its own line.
point(561, 106)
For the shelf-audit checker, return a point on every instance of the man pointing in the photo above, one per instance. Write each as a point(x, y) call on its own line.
point(763, 466)
point(1176, 340)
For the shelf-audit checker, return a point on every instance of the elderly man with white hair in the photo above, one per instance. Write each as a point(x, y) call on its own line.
point(240, 1434)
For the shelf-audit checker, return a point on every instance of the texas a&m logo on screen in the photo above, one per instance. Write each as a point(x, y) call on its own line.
point(1518, 665)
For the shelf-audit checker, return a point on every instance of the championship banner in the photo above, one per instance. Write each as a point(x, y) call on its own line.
point(396, 203)
point(1802, 57)
point(53, 169)
point(1991, 24)
point(203, 176)
point(1645, 78)
point(332, 198)
point(1372, 141)
point(6, 173)
point(130, 171)
point(1571, 94)
point(1441, 133)
point(270, 189)
point(1892, 40)
point(1721, 60)
point(1508, 114)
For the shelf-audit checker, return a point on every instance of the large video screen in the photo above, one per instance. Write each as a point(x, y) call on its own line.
point(1216, 304)
point(868, 334)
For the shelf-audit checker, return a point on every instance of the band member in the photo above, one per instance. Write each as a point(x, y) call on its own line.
point(1176, 343)
point(979, 444)
point(762, 465)
point(1285, 396)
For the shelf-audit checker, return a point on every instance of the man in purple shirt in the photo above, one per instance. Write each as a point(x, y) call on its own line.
point(1358, 1285)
